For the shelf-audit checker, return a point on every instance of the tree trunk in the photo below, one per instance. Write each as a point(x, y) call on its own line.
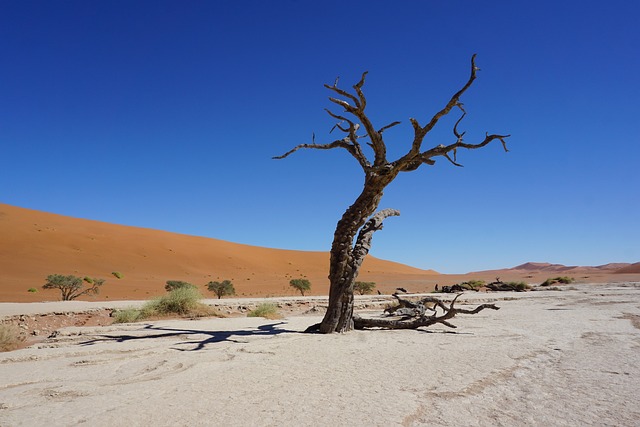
point(344, 263)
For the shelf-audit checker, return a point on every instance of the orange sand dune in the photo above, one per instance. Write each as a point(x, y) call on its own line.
point(35, 244)
point(538, 272)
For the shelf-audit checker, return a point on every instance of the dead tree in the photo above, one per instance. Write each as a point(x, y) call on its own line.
point(354, 231)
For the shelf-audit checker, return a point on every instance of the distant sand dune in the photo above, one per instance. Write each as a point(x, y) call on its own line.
point(630, 269)
point(34, 244)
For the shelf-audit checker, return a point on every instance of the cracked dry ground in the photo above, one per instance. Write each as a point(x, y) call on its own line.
point(546, 358)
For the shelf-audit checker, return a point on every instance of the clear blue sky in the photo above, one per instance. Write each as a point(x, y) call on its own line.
point(166, 115)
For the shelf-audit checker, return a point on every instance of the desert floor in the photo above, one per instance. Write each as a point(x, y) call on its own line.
point(545, 358)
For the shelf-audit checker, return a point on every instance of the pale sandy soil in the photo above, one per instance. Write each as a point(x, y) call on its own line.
point(545, 358)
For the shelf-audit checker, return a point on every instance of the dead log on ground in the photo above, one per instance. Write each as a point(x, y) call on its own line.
point(413, 315)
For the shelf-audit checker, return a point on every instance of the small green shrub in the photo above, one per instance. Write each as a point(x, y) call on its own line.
point(178, 301)
point(562, 279)
point(88, 280)
point(267, 310)
point(474, 284)
point(127, 315)
point(519, 286)
point(117, 275)
point(32, 290)
point(10, 337)
point(178, 284)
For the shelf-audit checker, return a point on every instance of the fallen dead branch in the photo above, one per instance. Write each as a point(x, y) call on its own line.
point(412, 315)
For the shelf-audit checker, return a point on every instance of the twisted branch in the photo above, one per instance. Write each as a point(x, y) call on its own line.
point(414, 158)
point(357, 110)
point(363, 242)
point(420, 319)
point(354, 105)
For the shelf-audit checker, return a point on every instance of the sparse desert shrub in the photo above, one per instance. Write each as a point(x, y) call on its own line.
point(562, 279)
point(88, 279)
point(301, 285)
point(509, 286)
point(117, 275)
point(548, 282)
point(364, 287)
point(32, 290)
point(127, 315)
point(177, 284)
point(71, 286)
point(174, 303)
point(178, 301)
point(471, 285)
point(10, 337)
point(519, 286)
point(222, 288)
point(267, 310)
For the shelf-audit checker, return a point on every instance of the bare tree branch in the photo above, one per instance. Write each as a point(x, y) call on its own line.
point(382, 129)
point(446, 155)
point(343, 93)
point(379, 148)
point(420, 319)
point(358, 88)
point(455, 127)
point(344, 104)
point(421, 132)
point(442, 150)
point(340, 143)
point(455, 99)
point(356, 110)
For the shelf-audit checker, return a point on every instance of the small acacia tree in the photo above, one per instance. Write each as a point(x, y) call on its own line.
point(365, 143)
point(364, 287)
point(177, 284)
point(301, 285)
point(222, 288)
point(71, 286)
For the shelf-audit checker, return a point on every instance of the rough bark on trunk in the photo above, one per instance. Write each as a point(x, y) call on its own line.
point(347, 257)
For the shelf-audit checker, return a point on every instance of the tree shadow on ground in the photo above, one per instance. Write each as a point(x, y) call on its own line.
point(212, 336)
point(444, 332)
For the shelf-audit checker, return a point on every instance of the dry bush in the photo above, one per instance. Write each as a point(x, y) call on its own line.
point(267, 310)
point(127, 315)
point(10, 338)
point(182, 301)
